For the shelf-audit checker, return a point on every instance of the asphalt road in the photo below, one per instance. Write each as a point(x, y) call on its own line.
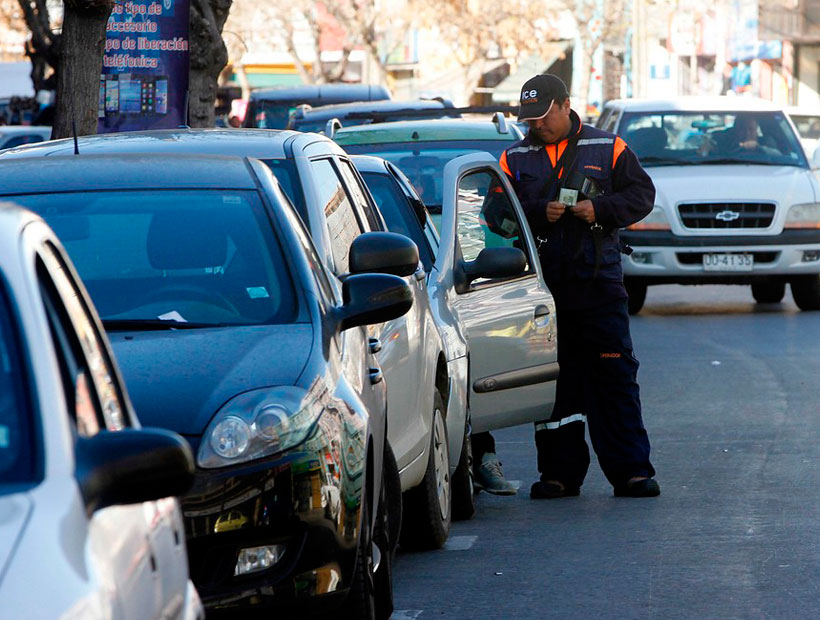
point(729, 391)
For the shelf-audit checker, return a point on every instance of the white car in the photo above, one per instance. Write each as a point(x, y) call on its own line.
point(88, 525)
point(737, 200)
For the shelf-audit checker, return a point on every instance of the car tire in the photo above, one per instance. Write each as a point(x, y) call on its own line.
point(428, 506)
point(462, 482)
point(393, 497)
point(806, 292)
point(382, 537)
point(360, 603)
point(637, 295)
point(769, 292)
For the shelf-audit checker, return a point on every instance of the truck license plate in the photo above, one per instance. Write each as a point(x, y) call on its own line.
point(728, 262)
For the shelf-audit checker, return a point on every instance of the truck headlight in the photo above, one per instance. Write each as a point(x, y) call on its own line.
point(803, 216)
point(258, 423)
point(656, 220)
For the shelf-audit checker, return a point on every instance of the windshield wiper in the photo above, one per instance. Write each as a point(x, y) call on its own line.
point(666, 161)
point(153, 324)
point(736, 160)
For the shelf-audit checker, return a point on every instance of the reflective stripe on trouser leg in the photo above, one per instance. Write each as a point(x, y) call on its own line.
point(551, 426)
point(563, 454)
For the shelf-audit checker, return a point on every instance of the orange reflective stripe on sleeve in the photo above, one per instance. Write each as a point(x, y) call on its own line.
point(503, 163)
point(620, 145)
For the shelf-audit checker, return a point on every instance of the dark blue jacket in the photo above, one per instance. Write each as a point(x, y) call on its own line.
point(568, 251)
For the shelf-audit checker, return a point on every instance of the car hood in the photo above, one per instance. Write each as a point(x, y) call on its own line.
point(784, 185)
point(14, 513)
point(179, 379)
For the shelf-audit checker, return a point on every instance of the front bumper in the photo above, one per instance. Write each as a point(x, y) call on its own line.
point(661, 257)
point(307, 499)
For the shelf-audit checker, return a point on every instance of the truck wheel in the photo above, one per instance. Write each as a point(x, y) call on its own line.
point(768, 292)
point(637, 295)
point(806, 292)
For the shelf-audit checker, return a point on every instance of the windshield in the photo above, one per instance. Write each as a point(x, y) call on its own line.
point(191, 258)
point(270, 114)
point(687, 138)
point(423, 163)
point(17, 438)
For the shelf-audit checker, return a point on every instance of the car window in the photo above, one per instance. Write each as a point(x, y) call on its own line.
point(359, 195)
point(398, 212)
point(610, 122)
point(285, 172)
point(201, 257)
point(18, 140)
point(424, 162)
point(342, 224)
point(807, 126)
point(93, 396)
point(18, 443)
point(486, 217)
point(674, 138)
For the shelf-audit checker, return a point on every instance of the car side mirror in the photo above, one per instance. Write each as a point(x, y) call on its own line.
point(383, 252)
point(132, 466)
point(371, 298)
point(492, 263)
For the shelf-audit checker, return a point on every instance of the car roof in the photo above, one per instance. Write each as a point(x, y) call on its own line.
point(76, 173)
point(696, 104)
point(369, 163)
point(386, 105)
point(259, 143)
point(421, 131)
point(792, 110)
point(313, 91)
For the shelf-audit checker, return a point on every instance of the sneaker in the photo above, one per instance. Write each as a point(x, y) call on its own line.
point(490, 478)
point(547, 489)
point(646, 487)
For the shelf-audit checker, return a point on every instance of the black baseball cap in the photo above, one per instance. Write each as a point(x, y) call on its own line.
point(537, 96)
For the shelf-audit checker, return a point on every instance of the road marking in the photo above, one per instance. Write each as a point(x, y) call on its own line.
point(406, 614)
point(459, 543)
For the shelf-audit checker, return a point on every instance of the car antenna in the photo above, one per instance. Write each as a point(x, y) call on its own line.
point(74, 133)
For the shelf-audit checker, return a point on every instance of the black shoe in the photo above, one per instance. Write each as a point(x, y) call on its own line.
point(550, 490)
point(648, 487)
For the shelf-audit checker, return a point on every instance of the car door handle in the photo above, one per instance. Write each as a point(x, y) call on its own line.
point(541, 310)
point(375, 345)
point(541, 316)
point(376, 376)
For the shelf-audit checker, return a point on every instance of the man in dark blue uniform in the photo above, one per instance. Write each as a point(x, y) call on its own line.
point(578, 186)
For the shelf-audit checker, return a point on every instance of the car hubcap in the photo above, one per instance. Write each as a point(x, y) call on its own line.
point(442, 464)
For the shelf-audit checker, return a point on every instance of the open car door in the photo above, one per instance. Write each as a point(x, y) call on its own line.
point(488, 264)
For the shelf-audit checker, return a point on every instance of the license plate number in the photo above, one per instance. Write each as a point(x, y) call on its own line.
point(728, 262)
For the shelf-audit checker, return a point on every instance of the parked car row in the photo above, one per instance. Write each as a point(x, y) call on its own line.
point(323, 347)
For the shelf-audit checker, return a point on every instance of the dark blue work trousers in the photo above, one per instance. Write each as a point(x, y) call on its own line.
point(597, 385)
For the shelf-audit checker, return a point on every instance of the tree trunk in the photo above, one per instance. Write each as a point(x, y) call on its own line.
point(78, 78)
point(208, 57)
point(580, 94)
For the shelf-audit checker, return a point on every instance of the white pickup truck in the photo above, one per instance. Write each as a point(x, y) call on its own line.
point(737, 199)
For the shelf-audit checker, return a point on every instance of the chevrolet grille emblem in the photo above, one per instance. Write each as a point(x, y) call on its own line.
point(727, 216)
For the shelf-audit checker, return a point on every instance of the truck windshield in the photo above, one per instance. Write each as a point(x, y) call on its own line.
point(686, 138)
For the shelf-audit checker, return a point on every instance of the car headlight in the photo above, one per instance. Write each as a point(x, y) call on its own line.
point(258, 423)
point(656, 220)
point(803, 216)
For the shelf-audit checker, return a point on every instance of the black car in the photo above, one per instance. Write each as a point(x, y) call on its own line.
point(227, 331)
point(309, 118)
point(270, 108)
